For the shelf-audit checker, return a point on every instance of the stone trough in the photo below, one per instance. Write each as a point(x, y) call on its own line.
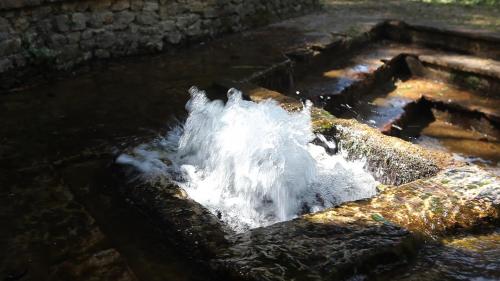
point(411, 87)
point(426, 194)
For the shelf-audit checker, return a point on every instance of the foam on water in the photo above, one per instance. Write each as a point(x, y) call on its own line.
point(251, 164)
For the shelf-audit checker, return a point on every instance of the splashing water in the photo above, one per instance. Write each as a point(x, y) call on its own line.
point(251, 164)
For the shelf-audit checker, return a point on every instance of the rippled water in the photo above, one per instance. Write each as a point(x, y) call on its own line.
point(460, 257)
point(251, 164)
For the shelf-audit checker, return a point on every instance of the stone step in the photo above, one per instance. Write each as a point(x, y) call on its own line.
point(486, 67)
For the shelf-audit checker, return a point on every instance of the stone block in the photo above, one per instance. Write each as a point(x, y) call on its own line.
point(74, 37)
point(45, 26)
point(79, 21)
point(151, 6)
point(19, 60)
point(120, 5)
point(174, 37)
point(41, 13)
point(98, 19)
point(87, 34)
point(5, 64)
point(87, 44)
point(69, 53)
point(171, 10)
point(10, 46)
point(102, 54)
point(123, 19)
point(183, 22)
point(4, 25)
point(136, 5)
point(20, 24)
point(194, 29)
point(105, 39)
point(58, 40)
point(147, 18)
point(99, 6)
point(167, 25)
point(61, 22)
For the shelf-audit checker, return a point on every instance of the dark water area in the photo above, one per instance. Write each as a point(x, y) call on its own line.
point(65, 134)
point(57, 139)
point(460, 257)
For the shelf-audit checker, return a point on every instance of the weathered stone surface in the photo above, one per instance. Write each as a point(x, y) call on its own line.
point(79, 21)
point(174, 37)
point(10, 46)
point(179, 217)
point(147, 18)
point(486, 67)
point(365, 236)
point(120, 5)
point(62, 23)
point(457, 198)
point(42, 24)
point(58, 40)
point(102, 54)
point(101, 18)
point(5, 64)
point(336, 243)
point(74, 37)
point(104, 265)
point(4, 25)
point(136, 5)
point(41, 13)
point(53, 237)
point(99, 6)
point(105, 39)
point(123, 19)
point(305, 249)
point(150, 6)
point(390, 159)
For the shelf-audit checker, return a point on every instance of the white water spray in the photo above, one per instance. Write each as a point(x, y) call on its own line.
point(252, 164)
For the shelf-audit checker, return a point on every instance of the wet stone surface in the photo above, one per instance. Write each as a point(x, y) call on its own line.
point(55, 147)
point(367, 237)
point(441, 100)
point(305, 249)
point(71, 247)
point(460, 257)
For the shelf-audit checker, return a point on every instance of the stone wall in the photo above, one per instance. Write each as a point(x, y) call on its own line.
point(60, 34)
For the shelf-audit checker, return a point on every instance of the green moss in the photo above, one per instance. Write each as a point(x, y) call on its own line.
point(43, 55)
point(378, 218)
point(471, 186)
point(381, 187)
point(483, 183)
point(425, 196)
point(473, 82)
point(436, 205)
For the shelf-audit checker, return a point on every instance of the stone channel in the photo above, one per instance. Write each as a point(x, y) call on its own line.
point(428, 194)
point(428, 198)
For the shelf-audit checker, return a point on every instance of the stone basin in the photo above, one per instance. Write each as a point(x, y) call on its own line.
point(426, 194)
point(406, 82)
point(362, 236)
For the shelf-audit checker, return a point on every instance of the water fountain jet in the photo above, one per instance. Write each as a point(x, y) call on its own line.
point(252, 164)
